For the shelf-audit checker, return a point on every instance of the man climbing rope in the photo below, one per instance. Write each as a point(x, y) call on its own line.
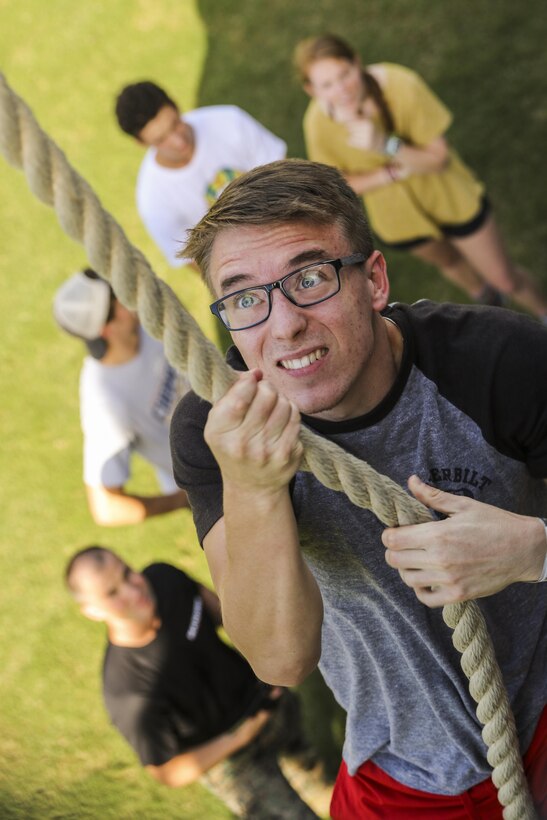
point(455, 395)
point(127, 394)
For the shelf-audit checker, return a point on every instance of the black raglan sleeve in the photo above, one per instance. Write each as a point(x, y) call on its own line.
point(491, 363)
point(194, 466)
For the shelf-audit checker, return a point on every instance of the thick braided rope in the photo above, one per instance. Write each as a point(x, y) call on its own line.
point(52, 179)
point(493, 710)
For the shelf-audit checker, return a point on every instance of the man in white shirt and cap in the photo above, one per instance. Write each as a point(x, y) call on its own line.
point(128, 392)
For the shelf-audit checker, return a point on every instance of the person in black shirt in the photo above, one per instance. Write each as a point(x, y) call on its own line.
point(185, 701)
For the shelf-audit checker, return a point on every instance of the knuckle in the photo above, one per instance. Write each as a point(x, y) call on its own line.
point(434, 493)
point(267, 391)
point(238, 450)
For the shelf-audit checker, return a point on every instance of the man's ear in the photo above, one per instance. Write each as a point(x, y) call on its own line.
point(107, 330)
point(308, 88)
point(139, 141)
point(377, 271)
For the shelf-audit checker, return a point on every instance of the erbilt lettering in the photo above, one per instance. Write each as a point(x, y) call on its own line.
point(458, 475)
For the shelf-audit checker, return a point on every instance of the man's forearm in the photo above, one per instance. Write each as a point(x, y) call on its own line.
point(189, 766)
point(114, 507)
point(271, 605)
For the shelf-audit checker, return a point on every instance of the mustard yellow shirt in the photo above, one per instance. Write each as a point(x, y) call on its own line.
point(417, 206)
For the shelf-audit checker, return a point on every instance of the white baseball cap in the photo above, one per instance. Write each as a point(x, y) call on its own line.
point(81, 307)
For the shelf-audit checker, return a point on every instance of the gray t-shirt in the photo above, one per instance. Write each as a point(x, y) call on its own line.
point(125, 409)
point(468, 414)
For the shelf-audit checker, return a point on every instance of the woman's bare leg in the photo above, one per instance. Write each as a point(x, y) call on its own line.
point(452, 265)
point(486, 252)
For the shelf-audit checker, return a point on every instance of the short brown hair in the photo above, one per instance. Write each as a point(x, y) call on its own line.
point(289, 190)
point(311, 49)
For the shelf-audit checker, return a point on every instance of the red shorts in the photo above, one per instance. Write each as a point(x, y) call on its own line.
point(373, 795)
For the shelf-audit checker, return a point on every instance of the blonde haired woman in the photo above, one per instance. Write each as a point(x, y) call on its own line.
point(385, 130)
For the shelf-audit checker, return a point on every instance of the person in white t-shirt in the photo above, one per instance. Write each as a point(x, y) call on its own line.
point(189, 160)
point(128, 392)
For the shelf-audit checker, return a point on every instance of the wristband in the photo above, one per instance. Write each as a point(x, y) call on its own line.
point(543, 576)
point(392, 145)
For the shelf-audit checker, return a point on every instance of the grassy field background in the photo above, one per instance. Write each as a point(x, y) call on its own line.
point(67, 60)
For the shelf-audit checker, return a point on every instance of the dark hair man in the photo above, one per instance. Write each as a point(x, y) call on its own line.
point(128, 392)
point(188, 704)
point(456, 395)
point(189, 159)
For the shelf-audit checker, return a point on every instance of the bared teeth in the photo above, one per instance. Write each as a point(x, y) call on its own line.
point(304, 361)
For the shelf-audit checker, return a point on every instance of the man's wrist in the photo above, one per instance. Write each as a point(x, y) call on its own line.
point(543, 576)
point(260, 499)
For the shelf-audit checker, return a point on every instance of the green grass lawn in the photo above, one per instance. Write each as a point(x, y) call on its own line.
point(67, 60)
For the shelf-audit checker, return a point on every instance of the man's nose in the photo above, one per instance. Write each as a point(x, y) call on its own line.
point(286, 320)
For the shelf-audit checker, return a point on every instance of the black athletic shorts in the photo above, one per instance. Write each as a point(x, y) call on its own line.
point(451, 230)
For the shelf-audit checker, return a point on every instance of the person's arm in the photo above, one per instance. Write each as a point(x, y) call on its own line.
point(424, 159)
point(271, 605)
point(408, 159)
point(189, 766)
point(113, 507)
point(364, 182)
point(476, 551)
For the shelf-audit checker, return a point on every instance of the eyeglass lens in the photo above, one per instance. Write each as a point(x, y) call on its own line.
point(303, 287)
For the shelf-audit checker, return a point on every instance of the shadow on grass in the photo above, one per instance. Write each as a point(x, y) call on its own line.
point(119, 792)
point(12, 807)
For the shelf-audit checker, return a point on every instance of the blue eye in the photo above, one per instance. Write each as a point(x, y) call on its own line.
point(310, 279)
point(246, 300)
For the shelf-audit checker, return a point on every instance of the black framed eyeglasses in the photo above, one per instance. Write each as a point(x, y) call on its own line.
point(304, 287)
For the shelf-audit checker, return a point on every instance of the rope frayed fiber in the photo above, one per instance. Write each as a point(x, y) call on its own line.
point(53, 180)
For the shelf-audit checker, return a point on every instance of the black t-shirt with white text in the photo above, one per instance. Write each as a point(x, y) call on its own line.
point(186, 686)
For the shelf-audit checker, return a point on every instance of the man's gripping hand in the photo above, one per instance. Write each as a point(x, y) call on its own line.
point(476, 551)
point(253, 433)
